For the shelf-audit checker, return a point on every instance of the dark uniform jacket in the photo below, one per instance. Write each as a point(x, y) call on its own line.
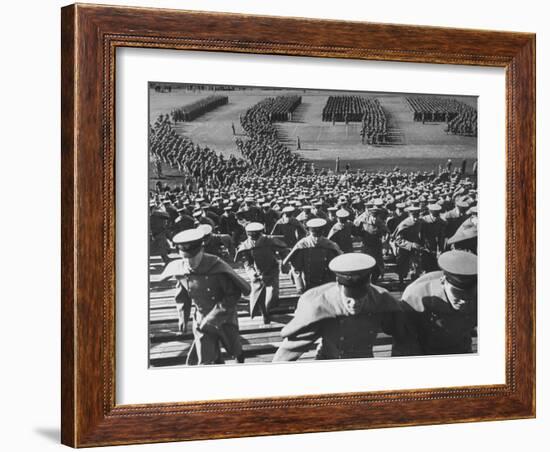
point(453, 219)
point(214, 245)
point(394, 220)
point(438, 328)
point(260, 260)
point(311, 258)
point(407, 233)
point(372, 233)
point(320, 314)
point(214, 289)
point(432, 232)
point(230, 225)
point(270, 217)
point(291, 230)
point(205, 219)
point(404, 237)
point(159, 233)
point(341, 234)
point(251, 214)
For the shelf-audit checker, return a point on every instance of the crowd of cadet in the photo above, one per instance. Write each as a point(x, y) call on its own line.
point(361, 109)
point(373, 124)
point(261, 146)
point(280, 108)
point(306, 225)
point(460, 117)
point(465, 123)
point(263, 154)
point(197, 108)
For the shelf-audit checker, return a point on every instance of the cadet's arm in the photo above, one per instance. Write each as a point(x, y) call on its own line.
point(402, 325)
point(296, 345)
point(183, 308)
point(232, 292)
point(401, 242)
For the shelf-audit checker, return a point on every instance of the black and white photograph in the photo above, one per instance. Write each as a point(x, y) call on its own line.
point(296, 224)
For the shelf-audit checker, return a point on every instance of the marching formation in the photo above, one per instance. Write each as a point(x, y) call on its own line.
point(373, 124)
point(190, 159)
point(358, 109)
point(306, 226)
point(345, 108)
point(263, 154)
point(434, 109)
point(279, 108)
point(461, 118)
point(198, 108)
point(261, 147)
point(465, 123)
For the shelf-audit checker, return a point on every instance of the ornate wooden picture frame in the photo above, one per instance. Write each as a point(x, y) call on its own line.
point(90, 37)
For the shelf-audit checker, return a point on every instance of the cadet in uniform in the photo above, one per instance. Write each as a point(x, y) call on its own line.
point(396, 217)
point(260, 255)
point(229, 225)
point(373, 231)
point(311, 255)
point(331, 219)
point(317, 210)
point(270, 217)
point(159, 234)
point(250, 212)
point(406, 238)
point(441, 306)
point(213, 289)
point(346, 315)
point(341, 232)
point(432, 234)
point(289, 227)
point(219, 245)
point(455, 217)
point(465, 237)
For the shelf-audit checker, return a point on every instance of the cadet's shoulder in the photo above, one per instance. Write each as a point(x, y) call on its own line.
point(316, 304)
point(319, 298)
point(384, 297)
point(304, 242)
point(316, 291)
point(450, 214)
point(406, 222)
point(379, 290)
point(211, 261)
point(319, 295)
point(327, 243)
point(427, 285)
point(173, 268)
point(271, 241)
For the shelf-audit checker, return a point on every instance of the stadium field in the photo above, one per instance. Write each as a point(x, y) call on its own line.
point(415, 146)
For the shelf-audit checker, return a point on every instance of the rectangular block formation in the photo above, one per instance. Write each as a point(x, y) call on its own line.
point(461, 118)
point(368, 111)
point(198, 108)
